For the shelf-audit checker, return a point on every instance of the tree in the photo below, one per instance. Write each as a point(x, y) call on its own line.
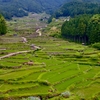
point(3, 27)
point(94, 29)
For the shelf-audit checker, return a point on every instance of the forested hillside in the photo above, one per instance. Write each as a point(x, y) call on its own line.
point(21, 8)
point(78, 7)
point(83, 26)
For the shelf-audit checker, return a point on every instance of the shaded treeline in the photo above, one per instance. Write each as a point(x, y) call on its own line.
point(82, 29)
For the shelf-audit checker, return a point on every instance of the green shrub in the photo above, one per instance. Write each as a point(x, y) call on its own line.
point(78, 55)
point(31, 98)
point(95, 98)
point(98, 54)
point(44, 82)
point(96, 45)
point(55, 35)
point(94, 58)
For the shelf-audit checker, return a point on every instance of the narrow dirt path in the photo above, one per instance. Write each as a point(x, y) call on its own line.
point(39, 32)
point(12, 54)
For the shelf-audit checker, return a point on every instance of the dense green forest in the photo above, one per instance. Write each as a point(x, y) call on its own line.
point(78, 7)
point(19, 8)
point(83, 28)
point(3, 27)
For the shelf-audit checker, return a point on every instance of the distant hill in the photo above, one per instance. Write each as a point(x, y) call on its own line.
point(19, 8)
point(78, 7)
point(89, 1)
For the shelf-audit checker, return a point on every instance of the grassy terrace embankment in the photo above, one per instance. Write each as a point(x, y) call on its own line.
point(58, 67)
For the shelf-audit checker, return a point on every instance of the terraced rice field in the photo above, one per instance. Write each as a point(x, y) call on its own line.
point(58, 67)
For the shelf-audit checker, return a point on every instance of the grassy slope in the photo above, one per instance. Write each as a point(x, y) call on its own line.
point(59, 66)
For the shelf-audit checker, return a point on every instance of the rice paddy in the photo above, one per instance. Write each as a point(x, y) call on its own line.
point(59, 66)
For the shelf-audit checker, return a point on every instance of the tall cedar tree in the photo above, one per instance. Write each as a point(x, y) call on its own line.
point(3, 26)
